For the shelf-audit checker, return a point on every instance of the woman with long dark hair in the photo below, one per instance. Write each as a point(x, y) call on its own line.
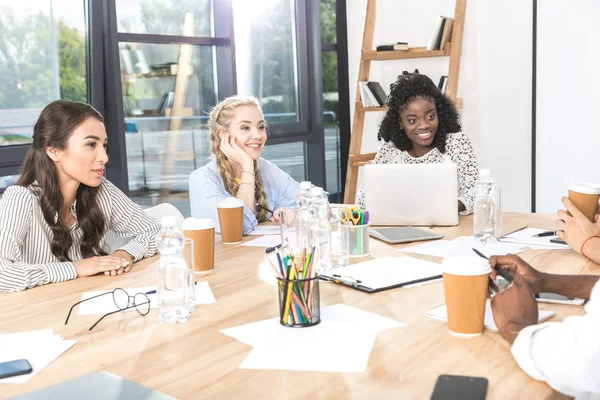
point(53, 222)
point(421, 127)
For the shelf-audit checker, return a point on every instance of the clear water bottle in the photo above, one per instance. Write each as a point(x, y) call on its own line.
point(340, 245)
point(320, 230)
point(484, 218)
point(173, 274)
point(304, 217)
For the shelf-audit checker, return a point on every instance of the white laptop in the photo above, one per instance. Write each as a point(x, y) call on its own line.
point(411, 194)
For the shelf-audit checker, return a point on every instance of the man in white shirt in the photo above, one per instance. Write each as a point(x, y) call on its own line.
point(565, 354)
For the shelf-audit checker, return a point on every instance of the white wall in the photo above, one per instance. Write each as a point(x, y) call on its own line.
point(567, 136)
point(495, 78)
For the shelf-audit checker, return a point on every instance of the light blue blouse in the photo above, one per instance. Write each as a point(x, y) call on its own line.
point(207, 189)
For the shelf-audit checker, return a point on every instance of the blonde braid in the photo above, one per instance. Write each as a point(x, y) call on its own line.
point(219, 119)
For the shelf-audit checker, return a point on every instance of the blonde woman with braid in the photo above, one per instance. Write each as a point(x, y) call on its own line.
point(238, 136)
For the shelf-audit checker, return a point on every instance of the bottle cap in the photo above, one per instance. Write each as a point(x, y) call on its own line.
point(305, 185)
point(316, 191)
point(168, 221)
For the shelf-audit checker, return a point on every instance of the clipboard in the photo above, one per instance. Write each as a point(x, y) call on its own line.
point(365, 289)
point(384, 273)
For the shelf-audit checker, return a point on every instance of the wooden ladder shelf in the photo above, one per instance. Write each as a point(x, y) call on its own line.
point(453, 50)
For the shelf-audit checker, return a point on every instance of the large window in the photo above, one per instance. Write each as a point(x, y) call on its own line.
point(333, 109)
point(168, 69)
point(154, 69)
point(43, 55)
point(270, 58)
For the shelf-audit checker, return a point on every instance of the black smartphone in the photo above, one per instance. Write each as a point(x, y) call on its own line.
point(14, 368)
point(455, 387)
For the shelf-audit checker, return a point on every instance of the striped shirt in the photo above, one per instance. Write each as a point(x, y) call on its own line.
point(26, 258)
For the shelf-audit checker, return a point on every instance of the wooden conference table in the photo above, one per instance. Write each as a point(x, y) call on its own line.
point(195, 360)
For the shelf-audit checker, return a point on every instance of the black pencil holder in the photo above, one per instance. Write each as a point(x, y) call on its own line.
point(299, 303)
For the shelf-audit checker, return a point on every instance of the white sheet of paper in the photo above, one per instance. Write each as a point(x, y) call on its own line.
point(347, 353)
point(40, 348)
point(336, 321)
point(264, 241)
point(388, 271)
point(524, 236)
point(462, 246)
point(105, 304)
point(488, 322)
point(266, 230)
point(327, 346)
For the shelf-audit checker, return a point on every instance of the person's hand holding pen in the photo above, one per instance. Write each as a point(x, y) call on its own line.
point(512, 264)
point(274, 214)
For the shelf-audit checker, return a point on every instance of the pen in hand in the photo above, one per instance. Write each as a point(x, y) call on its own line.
point(264, 208)
point(500, 271)
point(545, 234)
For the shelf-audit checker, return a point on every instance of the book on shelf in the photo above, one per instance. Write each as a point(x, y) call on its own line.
point(141, 65)
point(366, 97)
point(372, 94)
point(442, 84)
point(166, 101)
point(442, 33)
point(126, 62)
point(378, 92)
point(130, 108)
point(447, 32)
point(399, 46)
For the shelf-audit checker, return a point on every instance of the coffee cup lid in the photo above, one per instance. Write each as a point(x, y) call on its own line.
point(466, 266)
point(230, 202)
point(197, 224)
point(585, 187)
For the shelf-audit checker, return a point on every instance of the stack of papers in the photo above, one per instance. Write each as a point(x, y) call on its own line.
point(40, 348)
point(525, 237)
point(388, 272)
point(105, 304)
point(342, 342)
point(488, 322)
point(462, 246)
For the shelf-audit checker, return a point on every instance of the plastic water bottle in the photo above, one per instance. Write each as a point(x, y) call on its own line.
point(484, 218)
point(339, 241)
point(320, 230)
point(172, 274)
point(304, 217)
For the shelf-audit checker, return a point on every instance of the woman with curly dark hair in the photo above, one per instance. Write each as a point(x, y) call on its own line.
point(53, 222)
point(421, 126)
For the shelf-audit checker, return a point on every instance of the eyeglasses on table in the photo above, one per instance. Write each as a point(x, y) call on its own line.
point(123, 301)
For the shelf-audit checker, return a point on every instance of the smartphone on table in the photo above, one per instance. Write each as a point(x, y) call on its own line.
point(14, 368)
point(455, 387)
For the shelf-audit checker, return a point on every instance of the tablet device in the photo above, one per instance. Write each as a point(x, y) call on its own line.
point(403, 234)
point(558, 299)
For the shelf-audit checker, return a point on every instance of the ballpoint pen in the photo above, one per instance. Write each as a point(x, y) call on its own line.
point(545, 234)
point(501, 272)
point(272, 249)
point(264, 208)
point(154, 291)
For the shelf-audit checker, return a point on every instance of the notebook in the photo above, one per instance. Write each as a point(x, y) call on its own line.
point(384, 273)
point(488, 321)
point(100, 385)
